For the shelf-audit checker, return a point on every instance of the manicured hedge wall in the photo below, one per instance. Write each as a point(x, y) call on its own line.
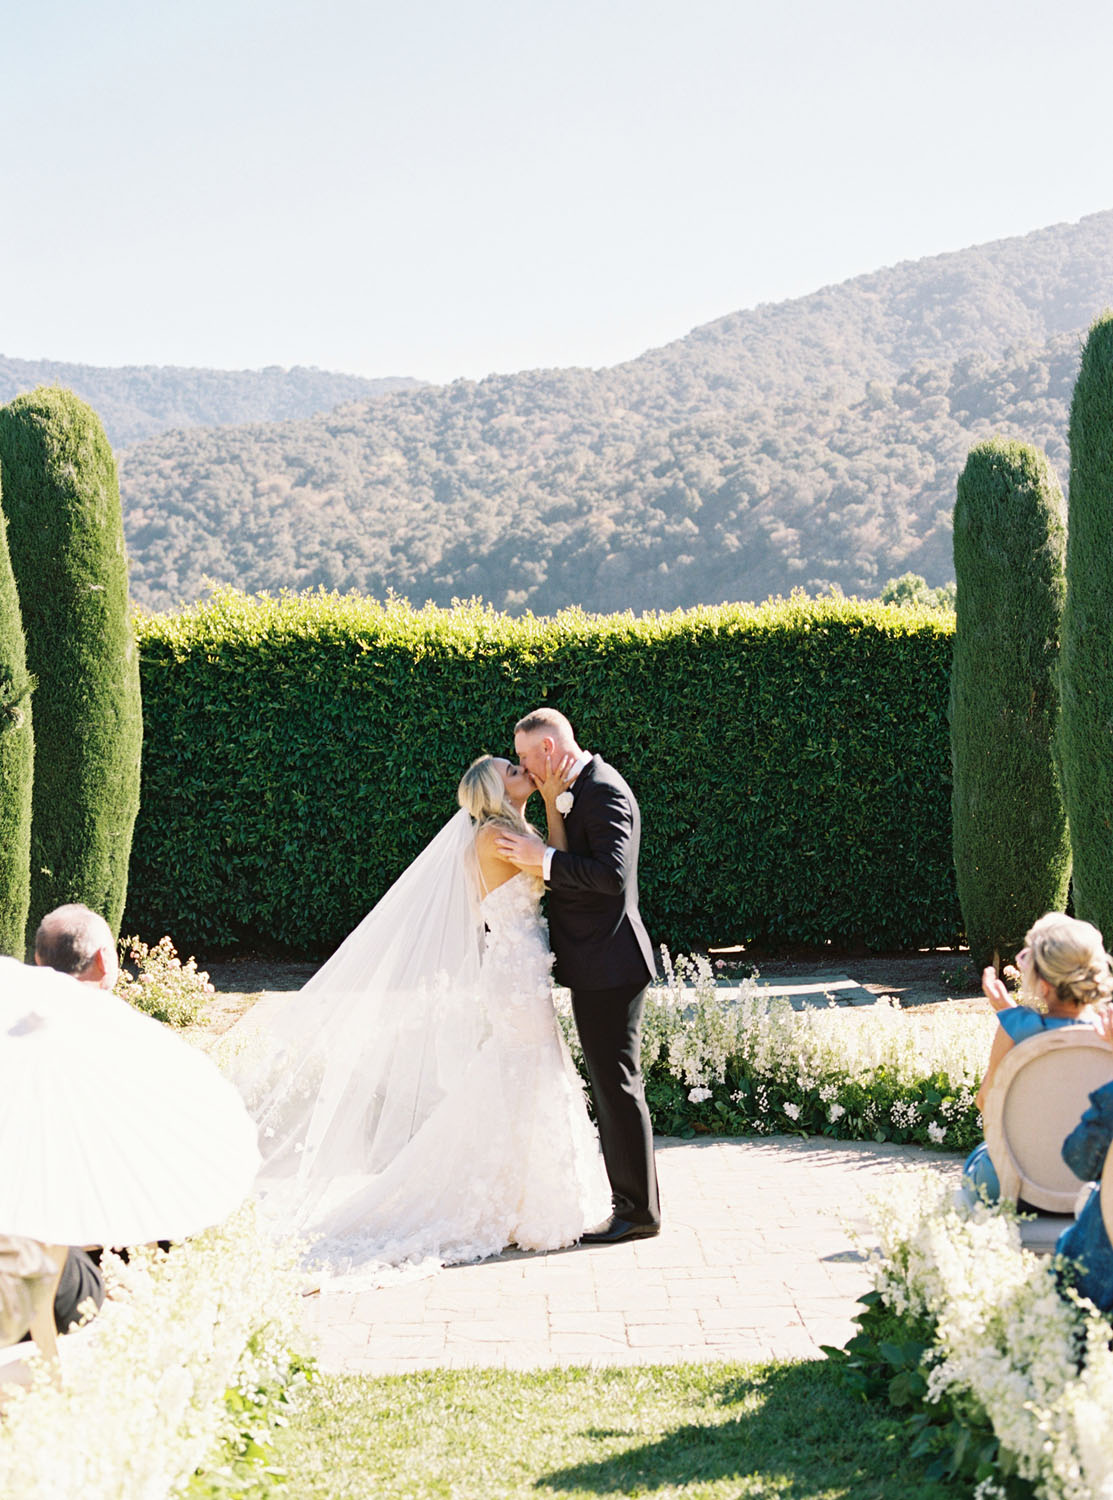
point(791, 760)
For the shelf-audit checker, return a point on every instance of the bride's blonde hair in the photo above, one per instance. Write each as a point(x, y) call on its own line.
point(482, 794)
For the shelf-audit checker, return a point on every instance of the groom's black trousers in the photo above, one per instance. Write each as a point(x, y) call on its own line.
point(610, 1026)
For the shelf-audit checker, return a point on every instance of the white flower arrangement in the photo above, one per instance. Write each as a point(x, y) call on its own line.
point(700, 1029)
point(142, 1403)
point(827, 1057)
point(564, 803)
point(1038, 1362)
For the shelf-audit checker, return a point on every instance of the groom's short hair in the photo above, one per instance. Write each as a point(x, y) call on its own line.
point(546, 720)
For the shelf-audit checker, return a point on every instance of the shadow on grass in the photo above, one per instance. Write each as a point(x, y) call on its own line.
point(797, 1432)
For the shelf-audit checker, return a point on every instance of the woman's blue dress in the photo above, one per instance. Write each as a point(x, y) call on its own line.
point(979, 1176)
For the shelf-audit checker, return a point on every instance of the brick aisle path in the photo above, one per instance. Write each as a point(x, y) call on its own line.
point(755, 1260)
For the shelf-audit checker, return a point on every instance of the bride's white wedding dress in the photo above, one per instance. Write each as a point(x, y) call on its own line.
point(427, 1110)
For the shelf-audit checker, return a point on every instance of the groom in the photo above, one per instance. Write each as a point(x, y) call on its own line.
point(603, 954)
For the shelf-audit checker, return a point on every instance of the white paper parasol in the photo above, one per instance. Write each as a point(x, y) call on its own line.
point(113, 1131)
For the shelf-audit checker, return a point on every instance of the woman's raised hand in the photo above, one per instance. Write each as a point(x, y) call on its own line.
point(995, 990)
point(557, 779)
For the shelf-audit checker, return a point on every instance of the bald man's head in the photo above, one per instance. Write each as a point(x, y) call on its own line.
point(76, 941)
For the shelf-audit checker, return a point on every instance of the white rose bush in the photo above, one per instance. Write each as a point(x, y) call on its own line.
point(745, 1063)
point(163, 987)
point(175, 1387)
point(1007, 1378)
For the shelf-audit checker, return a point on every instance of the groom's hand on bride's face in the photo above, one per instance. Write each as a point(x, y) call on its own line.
point(525, 850)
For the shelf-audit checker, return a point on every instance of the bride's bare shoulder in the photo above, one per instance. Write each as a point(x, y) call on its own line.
point(495, 870)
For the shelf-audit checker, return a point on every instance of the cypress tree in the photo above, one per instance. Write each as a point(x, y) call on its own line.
point(66, 535)
point(16, 764)
point(1086, 671)
point(1011, 842)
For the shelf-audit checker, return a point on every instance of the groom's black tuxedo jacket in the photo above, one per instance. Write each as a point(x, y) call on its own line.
point(595, 928)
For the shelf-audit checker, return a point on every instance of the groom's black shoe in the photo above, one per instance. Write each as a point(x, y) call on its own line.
point(615, 1230)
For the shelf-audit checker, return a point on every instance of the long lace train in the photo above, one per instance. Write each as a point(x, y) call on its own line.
point(505, 1154)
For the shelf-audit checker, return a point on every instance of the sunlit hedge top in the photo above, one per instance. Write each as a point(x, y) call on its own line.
point(320, 615)
point(791, 758)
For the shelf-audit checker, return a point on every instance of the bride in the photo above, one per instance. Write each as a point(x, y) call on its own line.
point(416, 1101)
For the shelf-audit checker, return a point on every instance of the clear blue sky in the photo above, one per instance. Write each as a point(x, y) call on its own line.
point(452, 187)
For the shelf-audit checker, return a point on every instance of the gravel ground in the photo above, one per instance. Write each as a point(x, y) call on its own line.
point(936, 978)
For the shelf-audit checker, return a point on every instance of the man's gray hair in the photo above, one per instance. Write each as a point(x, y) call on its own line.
point(70, 937)
point(546, 719)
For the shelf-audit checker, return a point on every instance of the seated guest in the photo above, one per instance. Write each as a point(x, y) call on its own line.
point(1086, 1242)
point(79, 1283)
point(1065, 970)
point(76, 941)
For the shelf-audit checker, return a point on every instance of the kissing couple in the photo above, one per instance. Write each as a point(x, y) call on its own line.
point(416, 1101)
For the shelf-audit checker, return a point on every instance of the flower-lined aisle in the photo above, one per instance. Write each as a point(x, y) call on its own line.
point(189, 1365)
point(1008, 1380)
point(741, 1062)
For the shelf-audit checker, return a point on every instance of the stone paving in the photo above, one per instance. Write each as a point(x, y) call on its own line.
point(756, 1260)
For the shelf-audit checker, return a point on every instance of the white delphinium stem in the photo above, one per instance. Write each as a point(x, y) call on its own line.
point(700, 1029)
point(1004, 1334)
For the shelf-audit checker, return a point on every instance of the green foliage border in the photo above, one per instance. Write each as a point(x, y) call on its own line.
point(749, 1102)
point(887, 1361)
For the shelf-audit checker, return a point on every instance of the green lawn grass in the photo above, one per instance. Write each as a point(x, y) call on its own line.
point(708, 1431)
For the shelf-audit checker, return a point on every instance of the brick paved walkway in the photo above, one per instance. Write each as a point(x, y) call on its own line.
point(755, 1260)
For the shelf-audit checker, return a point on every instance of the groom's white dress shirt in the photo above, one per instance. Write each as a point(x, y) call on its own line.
point(547, 857)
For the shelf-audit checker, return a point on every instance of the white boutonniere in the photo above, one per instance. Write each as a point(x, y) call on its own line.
point(565, 803)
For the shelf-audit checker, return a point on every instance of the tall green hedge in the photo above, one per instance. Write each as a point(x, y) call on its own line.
point(1012, 847)
point(16, 764)
point(65, 531)
point(1086, 672)
point(791, 760)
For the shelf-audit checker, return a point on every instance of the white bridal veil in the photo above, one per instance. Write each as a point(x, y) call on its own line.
point(346, 1070)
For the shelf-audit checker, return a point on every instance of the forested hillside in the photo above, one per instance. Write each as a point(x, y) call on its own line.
point(137, 401)
point(812, 442)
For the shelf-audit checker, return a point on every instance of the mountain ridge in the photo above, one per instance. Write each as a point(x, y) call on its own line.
point(812, 442)
point(139, 401)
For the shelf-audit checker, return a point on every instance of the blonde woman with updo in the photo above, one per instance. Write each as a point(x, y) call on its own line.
point(421, 1108)
point(1064, 974)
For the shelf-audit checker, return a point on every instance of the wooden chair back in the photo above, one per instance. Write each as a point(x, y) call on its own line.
point(1037, 1097)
